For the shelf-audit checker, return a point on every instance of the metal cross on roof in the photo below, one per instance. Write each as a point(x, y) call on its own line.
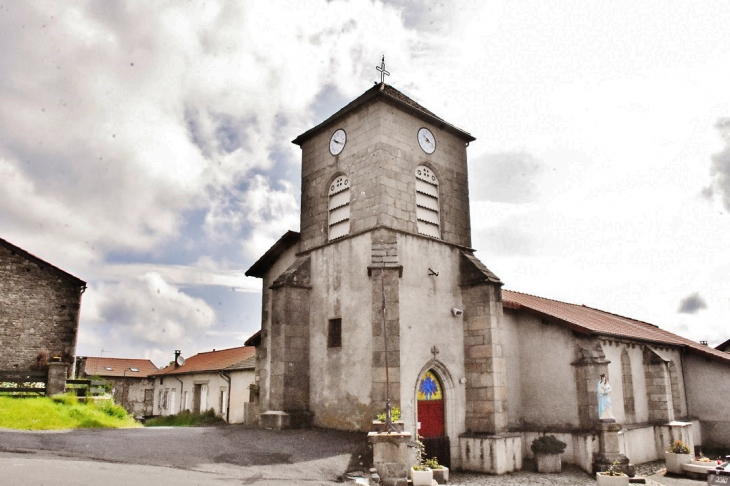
point(383, 72)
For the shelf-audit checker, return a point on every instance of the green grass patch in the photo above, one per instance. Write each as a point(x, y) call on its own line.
point(62, 412)
point(185, 419)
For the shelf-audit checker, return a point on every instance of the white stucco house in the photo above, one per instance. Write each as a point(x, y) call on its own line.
point(217, 380)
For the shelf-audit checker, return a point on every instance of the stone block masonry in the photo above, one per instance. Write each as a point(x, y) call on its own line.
point(39, 310)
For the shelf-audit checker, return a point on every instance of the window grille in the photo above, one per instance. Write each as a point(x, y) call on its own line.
point(339, 208)
point(427, 202)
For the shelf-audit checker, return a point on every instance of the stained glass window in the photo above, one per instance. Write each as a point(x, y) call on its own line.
point(429, 388)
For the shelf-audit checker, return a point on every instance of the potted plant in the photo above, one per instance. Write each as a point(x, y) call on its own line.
point(379, 423)
point(440, 472)
point(676, 455)
point(547, 450)
point(613, 476)
point(421, 474)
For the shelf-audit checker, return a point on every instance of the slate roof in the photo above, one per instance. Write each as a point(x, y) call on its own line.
point(246, 364)
point(264, 263)
point(387, 92)
point(119, 367)
point(42, 263)
point(724, 346)
point(590, 321)
point(210, 361)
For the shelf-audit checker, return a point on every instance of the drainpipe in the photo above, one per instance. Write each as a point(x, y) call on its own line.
point(228, 401)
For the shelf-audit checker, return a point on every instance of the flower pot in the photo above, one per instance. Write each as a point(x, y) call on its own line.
point(422, 478)
point(603, 480)
point(548, 463)
point(675, 461)
point(441, 475)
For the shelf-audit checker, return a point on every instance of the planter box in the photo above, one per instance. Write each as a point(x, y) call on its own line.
point(675, 461)
point(548, 463)
point(441, 475)
point(422, 478)
point(602, 480)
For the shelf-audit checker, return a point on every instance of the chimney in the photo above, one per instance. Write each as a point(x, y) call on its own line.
point(177, 355)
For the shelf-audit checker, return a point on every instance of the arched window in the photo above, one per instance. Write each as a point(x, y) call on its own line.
point(339, 208)
point(628, 385)
point(427, 202)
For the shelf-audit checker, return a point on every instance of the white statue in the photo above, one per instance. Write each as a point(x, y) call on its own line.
point(604, 399)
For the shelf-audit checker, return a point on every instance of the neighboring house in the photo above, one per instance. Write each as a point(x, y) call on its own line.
point(381, 297)
point(132, 384)
point(724, 347)
point(39, 310)
point(217, 380)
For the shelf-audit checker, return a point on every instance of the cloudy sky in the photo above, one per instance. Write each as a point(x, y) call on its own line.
point(145, 147)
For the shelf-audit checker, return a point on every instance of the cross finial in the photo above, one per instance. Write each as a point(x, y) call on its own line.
point(383, 72)
point(434, 351)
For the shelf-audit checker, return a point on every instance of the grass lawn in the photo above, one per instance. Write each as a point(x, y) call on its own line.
point(61, 412)
point(185, 419)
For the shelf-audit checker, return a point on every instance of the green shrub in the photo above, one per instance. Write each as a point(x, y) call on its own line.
point(548, 444)
point(185, 419)
point(110, 408)
point(394, 415)
point(65, 399)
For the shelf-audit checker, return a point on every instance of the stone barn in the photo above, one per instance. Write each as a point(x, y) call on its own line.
point(39, 310)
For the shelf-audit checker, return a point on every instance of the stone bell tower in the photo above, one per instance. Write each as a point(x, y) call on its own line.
point(383, 262)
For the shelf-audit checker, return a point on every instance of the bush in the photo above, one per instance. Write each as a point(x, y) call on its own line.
point(678, 447)
point(185, 419)
point(548, 444)
point(110, 408)
point(66, 399)
point(394, 415)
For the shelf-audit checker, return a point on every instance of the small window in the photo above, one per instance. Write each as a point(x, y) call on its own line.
point(108, 368)
point(334, 333)
point(134, 369)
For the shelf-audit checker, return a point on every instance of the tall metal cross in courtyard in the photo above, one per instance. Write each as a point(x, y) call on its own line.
point(383, 72)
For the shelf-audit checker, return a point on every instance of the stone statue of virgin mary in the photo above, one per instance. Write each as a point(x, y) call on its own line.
point(604, 399)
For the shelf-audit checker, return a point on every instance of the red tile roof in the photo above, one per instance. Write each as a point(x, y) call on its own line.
point(119, 367)
point(215, 360)
point(587, 320)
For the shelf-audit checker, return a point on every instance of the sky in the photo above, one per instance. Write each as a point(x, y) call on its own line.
point(145, 147)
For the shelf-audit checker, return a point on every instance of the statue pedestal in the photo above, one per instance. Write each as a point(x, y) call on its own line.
point(610, 451)
point(390, 457)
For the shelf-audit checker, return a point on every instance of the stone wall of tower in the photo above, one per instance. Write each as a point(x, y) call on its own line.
point(380, 159)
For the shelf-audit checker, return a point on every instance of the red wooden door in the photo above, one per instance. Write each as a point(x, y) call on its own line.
point(430, 406)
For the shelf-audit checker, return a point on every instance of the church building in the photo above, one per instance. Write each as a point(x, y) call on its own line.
point(380, 296)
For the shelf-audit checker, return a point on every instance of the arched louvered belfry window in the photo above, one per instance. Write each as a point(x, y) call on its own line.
point(339, 208)
point(427, 202)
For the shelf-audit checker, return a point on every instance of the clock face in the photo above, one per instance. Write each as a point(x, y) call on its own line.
point(337, 142)
point(426, 140)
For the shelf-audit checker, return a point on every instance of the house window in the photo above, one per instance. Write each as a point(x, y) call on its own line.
point(427, 202)
point(223, 401)
point(339, 208)
point(334, 333)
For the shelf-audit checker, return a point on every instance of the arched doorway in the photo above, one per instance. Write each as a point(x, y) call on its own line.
point(432, 418)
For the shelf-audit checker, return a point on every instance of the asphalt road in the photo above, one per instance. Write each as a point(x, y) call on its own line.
point(180, 456)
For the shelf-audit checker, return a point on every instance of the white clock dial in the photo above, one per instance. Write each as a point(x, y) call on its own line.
point(337, 142)
point(426, 140)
